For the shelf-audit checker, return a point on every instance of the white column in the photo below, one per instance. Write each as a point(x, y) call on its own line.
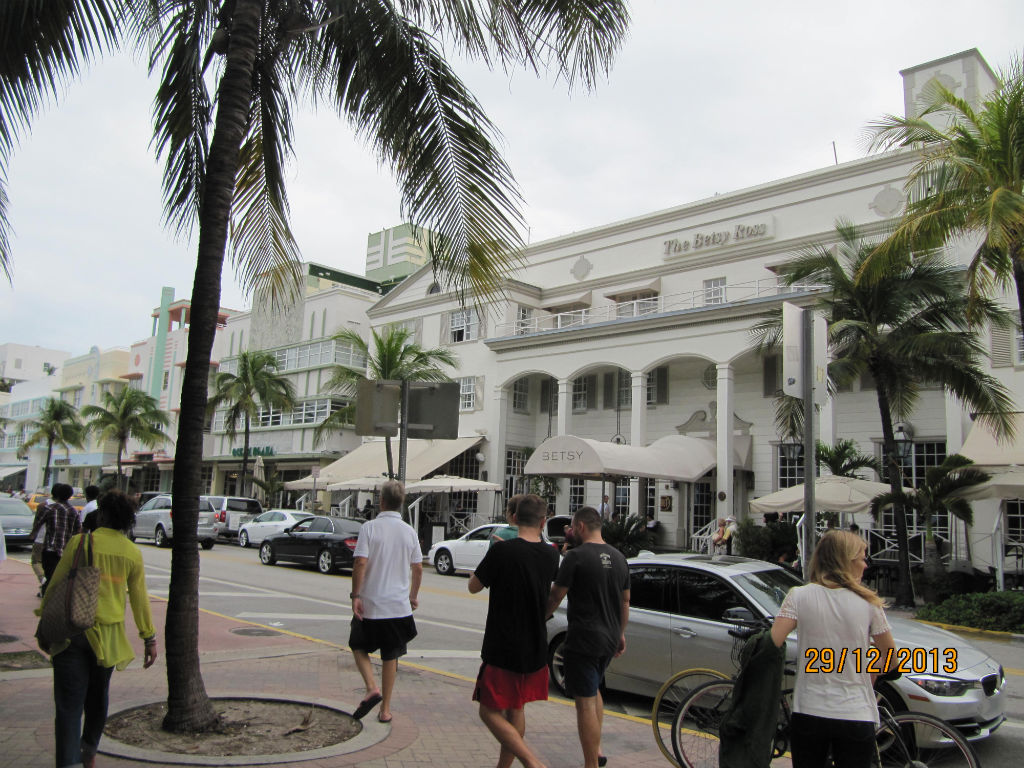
point(638, 415)
point(497, 424)
point(564, 405)
point(724, 451)
point(954, 425)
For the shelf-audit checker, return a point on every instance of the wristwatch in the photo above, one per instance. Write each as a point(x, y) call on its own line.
point(353, 595)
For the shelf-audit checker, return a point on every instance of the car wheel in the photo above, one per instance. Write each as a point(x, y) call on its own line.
point(443, 563)
point(206, 543)
point(267, 554)
point(325, 561)
point(886, 696)
point(556, 663)
point(243, 539)
point(160, 537)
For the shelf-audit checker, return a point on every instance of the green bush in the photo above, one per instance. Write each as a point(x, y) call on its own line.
point(1001, 611)
point(766, 542)
point(627, 534)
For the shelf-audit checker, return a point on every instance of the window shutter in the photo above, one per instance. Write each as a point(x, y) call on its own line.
point(609, 390)
point(446, 328)
point(661, 385)
point(1002, 347)
point(772, 376)
point(481, 332)
point(592, 392)
point(545, 395)
point(417, 333)
point(478, 402)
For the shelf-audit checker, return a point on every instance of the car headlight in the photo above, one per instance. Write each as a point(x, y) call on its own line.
point(938, 685)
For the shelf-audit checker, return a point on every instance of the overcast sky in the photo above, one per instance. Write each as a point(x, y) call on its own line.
point(705, 97)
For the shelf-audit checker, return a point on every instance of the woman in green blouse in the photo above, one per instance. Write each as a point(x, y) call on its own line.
point(82, 668)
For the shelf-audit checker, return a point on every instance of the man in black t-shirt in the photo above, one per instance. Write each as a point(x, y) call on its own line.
point(518, 572)
point(596, 578)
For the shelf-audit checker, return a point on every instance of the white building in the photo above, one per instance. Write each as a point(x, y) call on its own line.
point(19, 362)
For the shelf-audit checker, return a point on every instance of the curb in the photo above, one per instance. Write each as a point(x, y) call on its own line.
point(992, 634)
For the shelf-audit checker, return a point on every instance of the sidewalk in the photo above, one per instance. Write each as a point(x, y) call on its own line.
point(435, 720)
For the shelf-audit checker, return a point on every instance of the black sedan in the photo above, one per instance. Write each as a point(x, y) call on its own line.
point(16, 519)
point(327, 542)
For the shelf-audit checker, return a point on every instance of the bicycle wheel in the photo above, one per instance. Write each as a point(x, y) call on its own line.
point(916, 740)
point(695, 727)
point(669, 697)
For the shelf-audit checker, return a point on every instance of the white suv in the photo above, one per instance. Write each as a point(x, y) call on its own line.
point(153, 521)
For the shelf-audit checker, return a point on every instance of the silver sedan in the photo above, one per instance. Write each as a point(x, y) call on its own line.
point(270, 522)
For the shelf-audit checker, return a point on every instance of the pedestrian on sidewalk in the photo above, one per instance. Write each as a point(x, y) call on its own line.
point(89, 513)
point(82, 668)
point(60, 521)
point(518, 572)
point(386, 578)
point(596, 578)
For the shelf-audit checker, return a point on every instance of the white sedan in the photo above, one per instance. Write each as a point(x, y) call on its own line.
point(465, 552)
point(270, 522)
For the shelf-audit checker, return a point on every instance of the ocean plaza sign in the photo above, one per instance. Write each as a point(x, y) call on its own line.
point(703, 239)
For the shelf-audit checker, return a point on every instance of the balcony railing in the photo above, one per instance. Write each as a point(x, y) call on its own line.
point(703, 298)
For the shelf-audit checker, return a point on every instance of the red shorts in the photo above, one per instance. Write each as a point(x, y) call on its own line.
point(497, 688)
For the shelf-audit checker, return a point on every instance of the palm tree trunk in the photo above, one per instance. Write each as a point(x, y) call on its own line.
point(49, 456)
point(188, 706)
point(245, 458)
point(904, 588)
point(121, 484)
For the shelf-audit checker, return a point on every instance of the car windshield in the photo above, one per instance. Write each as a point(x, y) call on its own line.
point(768, 588)
point(14, 507)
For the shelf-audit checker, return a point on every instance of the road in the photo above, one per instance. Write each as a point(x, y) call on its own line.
point(287, 597)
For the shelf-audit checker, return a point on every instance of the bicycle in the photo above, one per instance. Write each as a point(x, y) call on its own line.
point(905, 739)
point(671, 694)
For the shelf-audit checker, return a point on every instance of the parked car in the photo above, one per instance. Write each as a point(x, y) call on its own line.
point(554, 526)
point(232, 512)
point(16, 518)
point(37, 498)
point(466, 552)
point(683, 606)
point(270, 522)
point(326, 542)
point(153, 521)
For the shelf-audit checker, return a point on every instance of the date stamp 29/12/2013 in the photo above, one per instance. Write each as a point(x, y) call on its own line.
point(873, 661)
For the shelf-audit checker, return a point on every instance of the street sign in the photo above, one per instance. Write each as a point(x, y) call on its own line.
point(315, 472)
point(792, 353)
point(434, 410)
point(377, 407)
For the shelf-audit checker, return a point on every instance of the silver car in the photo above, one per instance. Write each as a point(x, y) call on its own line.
point(153, 521)
point(17, 519)
point(683, 606)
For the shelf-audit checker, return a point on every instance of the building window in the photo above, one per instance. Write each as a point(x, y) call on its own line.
point(167, 381)
point(524, 320)
point(206, 479)
point(576, 486)
point(791, 471)
point(622, 501)
point(579, 393)
point(464, 325)
point(926, 454)
point(636, 304)
point(467, 393)
point(703, 509)
point(515, 461)
point(714, 291)
point(571, 319)
point(625, 389)
point(652, 387)
point(650, 496)
point(1019, 348)
point(1015, 520)
point(521, 395)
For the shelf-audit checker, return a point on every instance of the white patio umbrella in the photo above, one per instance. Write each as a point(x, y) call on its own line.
point(844, 495)
point(1004, 485)
point(358, 484)
point(259, 472)
point(450, 484)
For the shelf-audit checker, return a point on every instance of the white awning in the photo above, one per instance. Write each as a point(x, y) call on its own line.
point(370, 460)
point(647, 286)
point(568, 302)
point(358, 484)
point(450, 484)
point(675, 457)
point(8, 471)
point(831, 494)
point(1002, 485)
point(983, 449)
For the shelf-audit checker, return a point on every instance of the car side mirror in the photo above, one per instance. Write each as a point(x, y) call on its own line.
point(740, 616)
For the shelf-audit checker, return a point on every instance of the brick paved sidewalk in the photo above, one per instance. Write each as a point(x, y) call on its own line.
point(435, 723)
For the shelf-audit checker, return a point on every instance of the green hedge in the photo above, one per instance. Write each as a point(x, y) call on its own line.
point(1001, 611)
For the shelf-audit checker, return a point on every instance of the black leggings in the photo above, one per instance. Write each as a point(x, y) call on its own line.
point(852, 742)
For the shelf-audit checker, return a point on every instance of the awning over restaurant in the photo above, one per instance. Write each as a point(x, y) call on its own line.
point(675, 457)
point(983, 449)
point(8, 471)
point(370, 460)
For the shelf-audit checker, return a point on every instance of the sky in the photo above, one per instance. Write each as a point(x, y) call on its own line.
point(704, 98)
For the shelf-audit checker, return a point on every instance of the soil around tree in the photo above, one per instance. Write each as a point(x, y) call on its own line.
point(247, 727)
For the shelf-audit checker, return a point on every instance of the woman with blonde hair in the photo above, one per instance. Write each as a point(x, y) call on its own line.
point(837, 620)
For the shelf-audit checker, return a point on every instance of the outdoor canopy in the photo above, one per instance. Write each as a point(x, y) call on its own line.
point(369, 460)
point(450, 484)
point(983, 449)
point(844, 495)
point(675, 457)
point(1002, 485)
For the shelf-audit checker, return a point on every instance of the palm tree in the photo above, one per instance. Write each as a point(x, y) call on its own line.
point(393, 358)
point(907, 330)
point(271, 488)
point(57, 425)
point(937, 497)
point(970, 180)
point(844, 458)
point(257, 386)
point(382, 66)
point(130, 413)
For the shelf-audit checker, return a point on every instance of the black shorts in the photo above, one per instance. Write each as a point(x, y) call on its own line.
point(390, 636)
point(583, 673)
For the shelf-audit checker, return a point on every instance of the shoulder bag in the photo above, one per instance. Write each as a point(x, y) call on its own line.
point(71, 603)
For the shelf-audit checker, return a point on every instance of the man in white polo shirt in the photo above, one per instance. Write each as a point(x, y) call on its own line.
point(386, 580)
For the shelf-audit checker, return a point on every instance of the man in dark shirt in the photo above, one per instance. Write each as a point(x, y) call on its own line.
point(61, 522)
point(596, 578)
point(518, 572)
